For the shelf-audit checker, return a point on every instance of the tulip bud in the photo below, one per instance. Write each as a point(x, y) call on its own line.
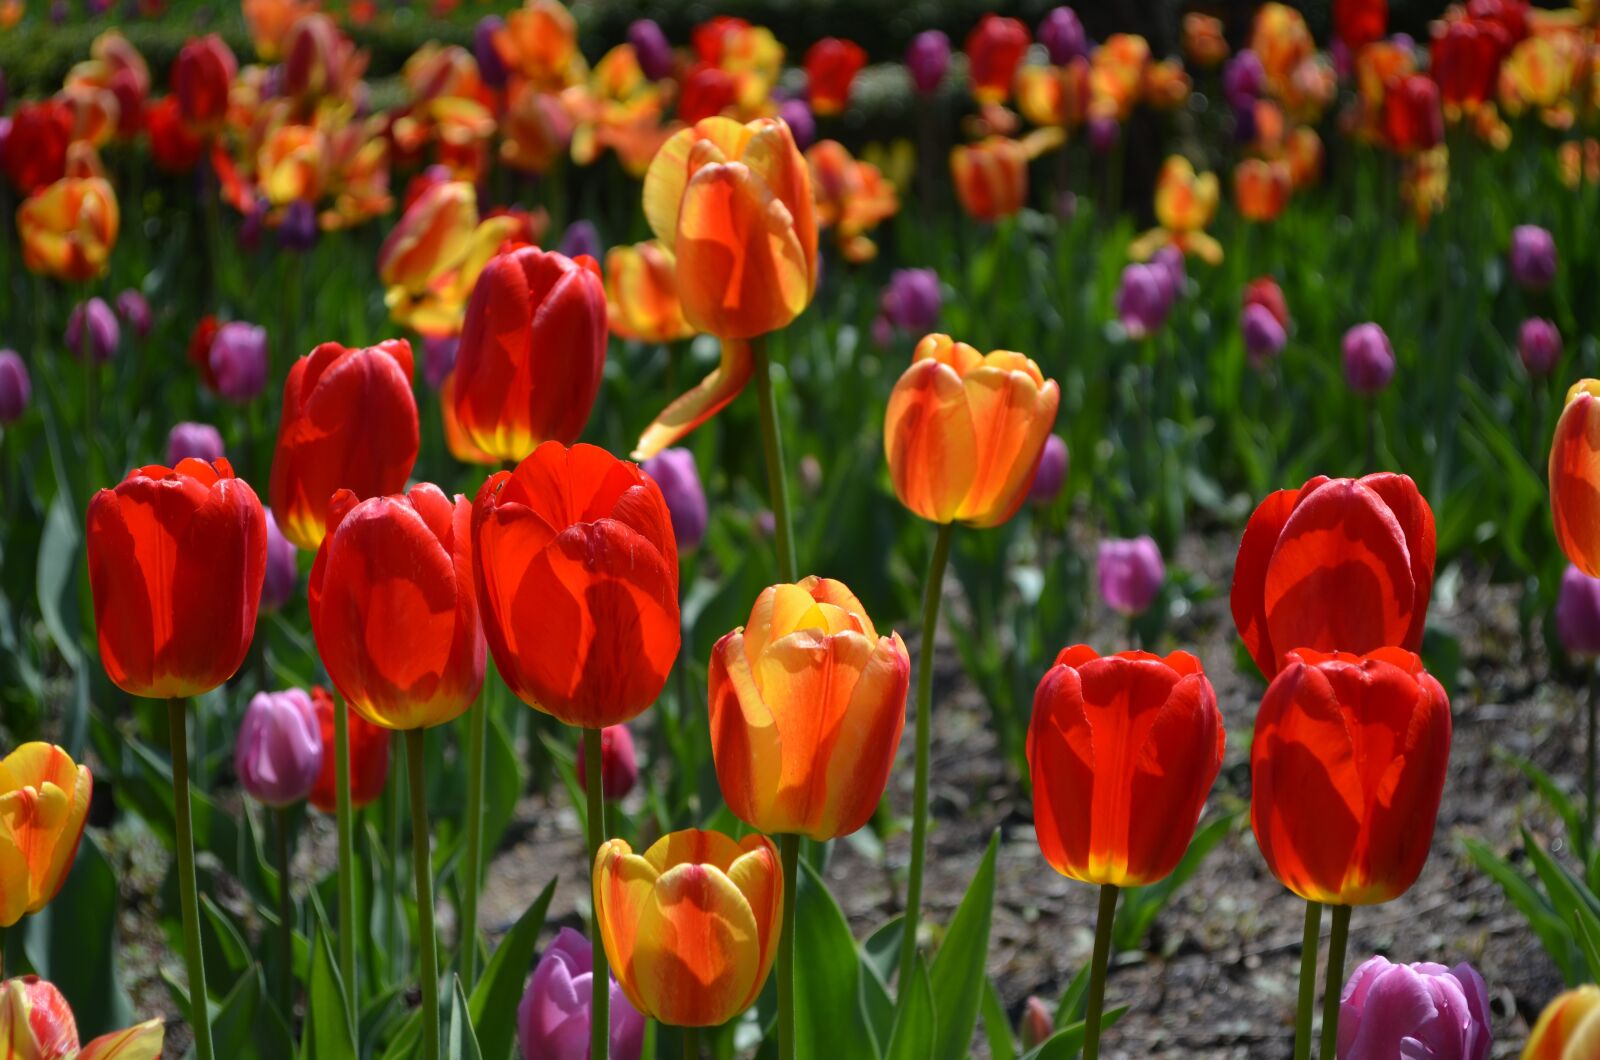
point(238, 360)
point(994, 48)
point(278, 751)
point(283, 569)
point(1038, 1022)
point(1142, 301)
point(1051, 473)
point(1578, 613)
point(652, 49)
point(439, 357)
point(298, 230)
point(1265, 292)
point(1130, 573)
point(927, 59)
point(554, 1017)
point(15, 387)
point(1104, 132)
point(1368, 359)
point(831, 66)
point(199, 440)
point(134, 308)
point(491, 67)
point(619, 764)
point(1385, 1008)
point(911, 300)
point(1539, 346)
point(1264, 337)
point(1533, 257)
point(581, 237)
point(103, 335)
point(802, 123)
point(1243, 79)
point(674, 471)
point(1061, 33)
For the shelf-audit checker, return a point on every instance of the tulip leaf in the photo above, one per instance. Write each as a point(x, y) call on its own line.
point(916, 1020)
point(329, 1032)
point(827, 971)
point(1141, 905)
point(1552, 932)
point(246, 1027)
point(1066, 1043)
point(996, 1026)
point(1554, 797)
point(460, 1041)
point(1586, 927)
point(494, 999)
point(956, 975)
point(1074, 1000)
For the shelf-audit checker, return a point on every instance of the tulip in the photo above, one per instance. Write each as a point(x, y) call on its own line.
point(238, 359)
point(1533, 257)
point(553, 1019)
point(1358, 23)
point(1038, 1023)
point(1185, 203)
point(173, 146)
point(439, 358)
point(1130, 573)
point(1205, 42)
point(540, 43)
point(927, 59)
point(278, 751)
point(202, 76)
point(176, 560)
point(349, 421)
point(964, 431)
point(1123, 751)
point(1539, 346)
point(1337, 565)
point(691, 925)
point(103, 337)
point(1143, 300)
point(369, 756)
point(1265, 292)
point(1261, 188)
point(994, 48)
point(1412, 119)
point(1051, 474)
point(1348, 764)
point(1575, 477)
point(581, 237)
point(1465, 60)
point(1061, 33)
point(651, 47)
point(35, 154)
point(801, 122)
point(990, 177)
point(44, 801)
point(745, 267)
point(1243, 80)
point(68, 228)
point(491, 67)
point(582, 616)
point(394, 608)
point(15, 388)
point(674, 471)
point(1368, 359)
point(807, 708)
point(200, 441)
point(1568, 1028)
point(134, 309)
point(706, 92)
point(298, 229)
point(432, 259)
point(1425, 1009)
point(1264, 337)
point(1578, 614)
point(619, 765)
point(532, 353)
point(911, 300)
point(642, 295)
point(36, 1023)
point(831, 66)
point(283, 573)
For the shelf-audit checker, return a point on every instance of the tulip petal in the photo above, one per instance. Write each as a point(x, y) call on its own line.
point(1411, 511)
point(623, 884)
point(1011, 418)
point(44, 806)
point(698, 948)
point(931, 440)
point(142, 1042)
point(669, 173)
point(1575, 481)
point(1248, 594)
point(744, 734)
point(866, 741)
point(692, 409)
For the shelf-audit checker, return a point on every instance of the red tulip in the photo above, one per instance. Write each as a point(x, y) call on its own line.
point(369, 756)
point(831, 66)
point(1466, 56)
point(35, 153)
point(1360, 22)
point(174, 148)
point(994, 48)
point(202, 76)
point(1412, 120)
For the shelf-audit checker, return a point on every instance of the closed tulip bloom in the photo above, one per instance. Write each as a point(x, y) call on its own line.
point(278, 750)
point(176, 559)
point(1205, 42)
point(1539, 346)
point(36, 1023)
point(1051, 474)
point(831, 66)
point(691, 925)
point(283, 572)
point(44, 801)
point(651, 47)
point(92, 331)
point(134, 308)
point(1123, 751)
point(911, 300)
point(1358, 23)
point(577, 572)
point(238, 360)
point(1533, 257)
point(1412, 118)
point(927, 59)
point(35, 144)
point(675, 472)
point(1265, 292)
point(1368, 359)
point(369, 756)
point(1143, 300)
point(68, 228)
point(491, 66)
point(1130, 573)
point(964, 431)
point(642, 294)
point(1424, 1009)
point(990, 177)
point(807, 706)
point(16, 390)
point(1038, 1023)
point(201, 441)
point(1261, 188)
point(619, 763)
point(394, 607)
point(532, 353)
point(1263, 334)
point(553, 1019)
point(349, 422)
point(581, 237)
point(1568, 1028)
point(995, 47)
point(202, 76)
point(1061, 33)
point(1243, 80)
point(1337, 565)
point(1578, 614)
point(1575, 477)
point(802, 123)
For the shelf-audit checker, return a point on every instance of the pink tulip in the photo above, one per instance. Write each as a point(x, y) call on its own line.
point(1414, 1010)
point(619, 764)
point(278, 753)
point(553, 1018)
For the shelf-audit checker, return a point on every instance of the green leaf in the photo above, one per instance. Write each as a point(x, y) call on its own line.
point(996, 1025)
point(1587, 927)
point(915, 1023)
point(1535, 908)
point(956, 976)
point(73, 940)
point(1564, 806)
point(1074, 1000)
point(228, 950)
point(1067, 1043)
point(245, 1027)
point(494, 999)
point(460, 1042)
point(827, 971)
point(328, 1033)
point(1141, 905)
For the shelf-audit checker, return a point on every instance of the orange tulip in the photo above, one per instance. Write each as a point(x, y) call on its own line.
point(291, 164)
point(1203, 40)
point(964, 431)
point(691, 926)
point(349, 422)
point(44, 801)
point(733, 203)
point(1166, 84)
point(1186, 202)
point(577, 574)
point(176, 560)
point(852, 198)
point(1123, 751)
point(69, 228)
point(540, 42)
point(1054, 95)
point(1575, 477)
point(269, 22)
point(535, 129)
point(1568, 1028)
point(1282, 41)
point(1261, 188)
point(990, 177)
point(807, 706)
point(1347, 766)
point(432, 260)
point(394, 608)
point(642, 294)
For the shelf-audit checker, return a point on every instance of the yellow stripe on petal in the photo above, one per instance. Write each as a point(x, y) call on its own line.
point(142, 1042)
point(700, 404)
point(698, 956)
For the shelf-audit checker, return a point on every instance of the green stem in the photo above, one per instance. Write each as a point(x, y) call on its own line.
point(285, 917)
point(472, 874)
point(690, 1043)
point(1308, 981)
point(199, 1005)
point(1334, 984)
point(600, 998)
point(422, 869)
point(1589, 759)
point(772, 447)
point(1097, 970)
point(919, 800)
point(789, 846)
point(395, 799)
point(347, 848)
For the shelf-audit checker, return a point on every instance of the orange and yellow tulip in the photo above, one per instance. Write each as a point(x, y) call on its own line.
point(807, 706)
point(1568, 1028)
point(642, 294)
point(964, 431)
point(1185, 203)
point(540, 42)
point(36, 1023)
point(69, 228)
point(1204, 43)
point(1575, 477)
point(432, 260)
point(44, 801)
point(1282, 41)
point(852, 197)
point(1261, 188)
point(1055, 95)
point(990, 177)
point(269, 21)
point(690, 926)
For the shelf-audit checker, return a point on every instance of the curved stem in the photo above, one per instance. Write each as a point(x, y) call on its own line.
point(422, 869)
point(1308, 981)
point(1334, 985)
point(772, 447)
point(347, 849)
point(600, 981)
point(194, 957)
point(789, 847)
point(1097, 970)
point(472, 874)
point(285, 916)
point(931, 588)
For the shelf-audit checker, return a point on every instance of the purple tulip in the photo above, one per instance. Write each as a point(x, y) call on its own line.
point(1533, 257)
point(882, 332)
point(1143, 300)
point(1051, 474)
point(1368, 359)
point(927, 59)
point(652, 49)
point(283, 571)
point(104, 333)
point(674, 471)
point(796, 113)
point(553, 1018)
point(298, 229)
point(1244, 124)
point(1264, 337)
point(581, 237)
point(1578, 613)
point(199, 440)
point(278, 752)
point(253, 224)
point(1243, 79)
point(439, 357)
point(911, 300)
point(15, 387)
point(1062, 35)
point(134, 309)
point(1104, 132)
point(619, 764)
point(239, 360)
point(1414, 1010)
point(491, 67)
point(1169, 259)
point(1130, 573)
point(59, 11)
point(1539, 345)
